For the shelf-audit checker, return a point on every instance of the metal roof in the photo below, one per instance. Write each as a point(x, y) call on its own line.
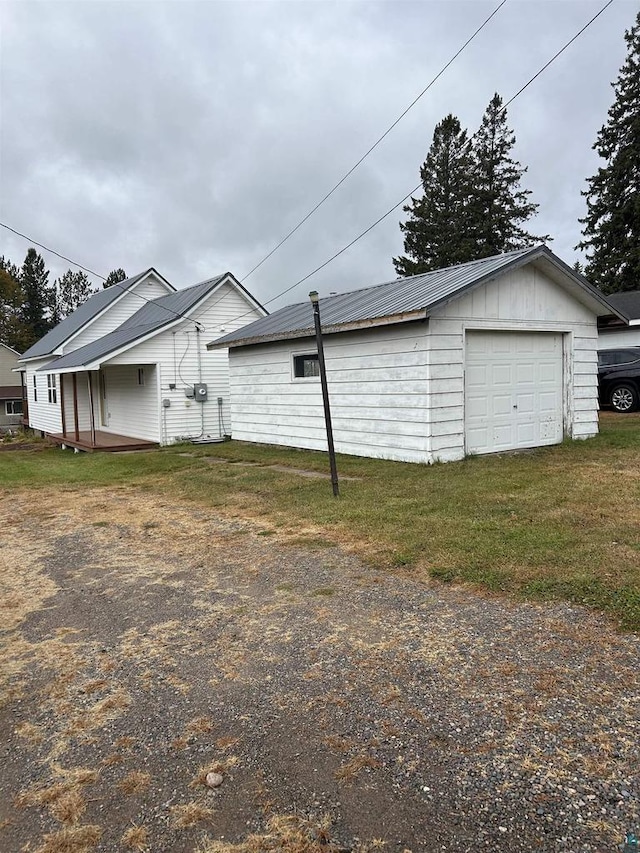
point(152, 317)
point(628, 302)
point(393, 301)
point(81, 316)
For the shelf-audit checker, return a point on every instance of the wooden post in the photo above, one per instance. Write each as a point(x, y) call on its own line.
point(325, 392)
point(62, 412)
point(91, 412)
point(75, 407)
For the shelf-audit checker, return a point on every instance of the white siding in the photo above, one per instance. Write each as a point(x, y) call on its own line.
point(397, 392)
point(43, 415)
point(132, 409)
point(624, 337)
point(378, 394)
point(224, 311)
point(130, 302)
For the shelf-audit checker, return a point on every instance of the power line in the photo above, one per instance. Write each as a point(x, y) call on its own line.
point(384, 215)
point(375, 144)
point(388, 212)
point(96, 274)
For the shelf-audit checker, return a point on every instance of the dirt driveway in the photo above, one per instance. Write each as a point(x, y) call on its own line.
point(147, 642)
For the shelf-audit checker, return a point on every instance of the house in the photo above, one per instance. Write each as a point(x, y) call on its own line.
point(493, 355)
point(128, 367)
point(614, 332)
point(10, 389)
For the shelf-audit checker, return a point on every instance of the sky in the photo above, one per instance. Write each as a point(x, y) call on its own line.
point(192, 136)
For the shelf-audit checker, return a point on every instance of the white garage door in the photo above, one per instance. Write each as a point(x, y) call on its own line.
point(513, 390)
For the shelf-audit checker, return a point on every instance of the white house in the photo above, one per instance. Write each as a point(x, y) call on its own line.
point(129, 366)
point(614, 333)
point(492, 355)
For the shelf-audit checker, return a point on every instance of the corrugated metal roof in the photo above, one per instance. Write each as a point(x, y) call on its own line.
point(150, 318)
point(391, 298)
point(402, 298)
point(82, 315)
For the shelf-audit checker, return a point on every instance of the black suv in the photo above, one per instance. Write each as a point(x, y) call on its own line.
point(619, 378)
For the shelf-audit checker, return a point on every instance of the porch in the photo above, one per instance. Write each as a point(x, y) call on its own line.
point(91, 441)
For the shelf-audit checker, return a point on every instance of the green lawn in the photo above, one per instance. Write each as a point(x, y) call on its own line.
point(560, 522)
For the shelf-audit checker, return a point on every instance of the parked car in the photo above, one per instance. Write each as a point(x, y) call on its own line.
point(619, 378)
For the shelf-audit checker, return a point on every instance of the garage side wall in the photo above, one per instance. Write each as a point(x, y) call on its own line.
point(526, 300)
point(612, 339)
point(377, 387)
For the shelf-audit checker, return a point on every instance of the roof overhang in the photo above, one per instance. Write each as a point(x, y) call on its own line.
point(309, 332)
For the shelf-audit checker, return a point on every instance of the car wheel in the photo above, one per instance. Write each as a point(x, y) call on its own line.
point(624, 398)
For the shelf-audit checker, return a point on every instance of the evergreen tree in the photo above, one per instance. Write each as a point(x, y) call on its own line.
point(114, 277)
point(612, 224)
point(499, 206)
point(13, 331)
point(436, 233)
point(36, 295)
point(73, 288)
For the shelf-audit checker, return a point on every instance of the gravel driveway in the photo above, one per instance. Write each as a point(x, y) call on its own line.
point(148, 642)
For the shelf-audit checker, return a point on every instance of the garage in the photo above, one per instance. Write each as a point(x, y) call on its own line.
point(513, 390)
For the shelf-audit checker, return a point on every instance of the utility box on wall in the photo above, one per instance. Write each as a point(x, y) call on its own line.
point(200, 391)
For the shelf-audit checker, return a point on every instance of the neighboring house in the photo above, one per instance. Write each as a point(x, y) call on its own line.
point(493, 355)
point(121, 370)
point(614, 332)
point(10, 389)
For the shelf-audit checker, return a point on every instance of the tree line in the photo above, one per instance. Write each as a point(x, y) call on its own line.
point(30, 306)
point(473, 205)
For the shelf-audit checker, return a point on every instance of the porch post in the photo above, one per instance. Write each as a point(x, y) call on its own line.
point(62, 412)
point(93, 420)
point(75, 406)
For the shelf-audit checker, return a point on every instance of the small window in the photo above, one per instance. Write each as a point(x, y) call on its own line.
point(51, 388)
point(35, 390)
point(306, 366)
point(13, 407)
point(141, 376)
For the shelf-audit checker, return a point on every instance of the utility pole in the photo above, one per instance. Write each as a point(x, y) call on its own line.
point(313, 296)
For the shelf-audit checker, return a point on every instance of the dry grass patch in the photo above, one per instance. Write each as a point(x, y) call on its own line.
point(135, 782)
point(350, 769)
point(284, 834)
point(71, 839)
point(189, 814)
point(136, 838)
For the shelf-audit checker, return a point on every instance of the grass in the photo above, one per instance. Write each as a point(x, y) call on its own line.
point(554, 523)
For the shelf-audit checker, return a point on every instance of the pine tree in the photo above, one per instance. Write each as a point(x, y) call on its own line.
point(13, 331)
point(612, 224)
point(499, 206)
point(33, 278)
point(114, 277)
point(436, 233)
point(73, 288)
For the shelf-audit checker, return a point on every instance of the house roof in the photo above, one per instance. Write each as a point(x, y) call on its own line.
point(86, 312)
point(396, 301)
point(10, 392)
point(151, 318)
point(627, 302)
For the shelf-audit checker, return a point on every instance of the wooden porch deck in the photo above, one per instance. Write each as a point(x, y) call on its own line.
point(107, 442)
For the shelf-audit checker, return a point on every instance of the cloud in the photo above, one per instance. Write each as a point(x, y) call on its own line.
point(193, 136)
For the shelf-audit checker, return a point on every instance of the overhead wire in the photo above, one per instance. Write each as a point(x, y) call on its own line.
point(376, 143)
point(384, 215)
point(96, 274)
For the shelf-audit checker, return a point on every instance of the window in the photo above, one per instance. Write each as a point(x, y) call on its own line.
point(141, 376)
point(35, 390)
point(13, 407)
point(51, 388)
point(306, 366)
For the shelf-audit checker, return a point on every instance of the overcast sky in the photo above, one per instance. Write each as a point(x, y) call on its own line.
point(191, 136)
